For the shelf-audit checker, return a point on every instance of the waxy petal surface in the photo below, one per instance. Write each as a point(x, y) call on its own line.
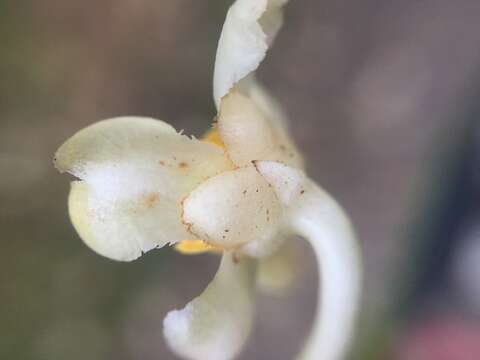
point(233, 209)
point(248, 31)
point(249, 134)
point(216, 324)
point(135, 173)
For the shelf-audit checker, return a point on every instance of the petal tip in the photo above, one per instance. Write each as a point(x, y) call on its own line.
point(244, 41)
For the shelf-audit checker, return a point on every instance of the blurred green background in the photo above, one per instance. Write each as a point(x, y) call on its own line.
point(383, 101)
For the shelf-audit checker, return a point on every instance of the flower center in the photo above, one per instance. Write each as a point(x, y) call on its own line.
point(196, 246)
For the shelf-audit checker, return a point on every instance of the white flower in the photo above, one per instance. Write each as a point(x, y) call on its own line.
point(241, 192)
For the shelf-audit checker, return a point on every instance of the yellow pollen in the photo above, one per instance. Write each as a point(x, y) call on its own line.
point(194, 247)
point(212, 136)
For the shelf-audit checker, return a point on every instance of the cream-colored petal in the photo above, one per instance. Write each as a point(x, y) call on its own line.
point(269, 106)
point(248, 31)
point(234, 208)
point(135, 173)
point(290, 184)
point(147, 145)
point(124, 229)
point(216, 325)
point(277, 272)
point(315, 215)
point(249, 135)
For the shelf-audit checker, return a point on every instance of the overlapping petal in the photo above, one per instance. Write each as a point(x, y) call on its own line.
point(234, 209)
point(249, 134)
point(135, 173)
point(248, 31)
point(216, 324)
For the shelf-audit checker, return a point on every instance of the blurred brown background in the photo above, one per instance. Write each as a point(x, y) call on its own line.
point(382, 97)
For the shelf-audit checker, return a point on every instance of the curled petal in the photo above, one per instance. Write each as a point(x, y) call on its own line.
point(232, 209)
point(150, 145)
point(216, 324)
point(315, 215)
point(135, 173)
point(249, 134)
point(248, 31)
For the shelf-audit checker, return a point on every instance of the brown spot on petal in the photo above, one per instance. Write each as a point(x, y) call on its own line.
point(235, 258)
point(151, 200)
point(182, 165)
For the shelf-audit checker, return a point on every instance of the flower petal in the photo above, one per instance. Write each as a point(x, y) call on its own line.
point(232, 209)
point(315, 215)
point(290, 184)
point(249, 29)
point(249, 135)
point(216, 324)
point(135, 173)
point(277, 272)
point(269, 106)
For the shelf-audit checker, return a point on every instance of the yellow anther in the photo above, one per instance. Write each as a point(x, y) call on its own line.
point(194, 247)
point(212, 136)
